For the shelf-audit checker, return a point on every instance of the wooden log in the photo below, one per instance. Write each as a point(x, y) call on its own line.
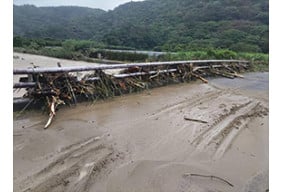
point(233, 72)
point(238, 75)
point(199, 77)
point(155, 75)
point(223, 74)
point(195, 120)
point(52, 113)
point(121, 66)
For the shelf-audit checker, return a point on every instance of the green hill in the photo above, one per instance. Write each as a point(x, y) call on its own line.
point(55, 22)
point(239, 25)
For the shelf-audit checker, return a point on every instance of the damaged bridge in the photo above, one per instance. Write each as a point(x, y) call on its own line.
point(60, 85)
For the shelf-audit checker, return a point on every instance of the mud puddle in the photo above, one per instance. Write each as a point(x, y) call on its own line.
point(141, 142)
point(251, 82)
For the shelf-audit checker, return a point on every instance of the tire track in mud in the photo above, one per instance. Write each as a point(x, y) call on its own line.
point(191, 102)
point(218, 125)
point(218, 137)
point(74, 169)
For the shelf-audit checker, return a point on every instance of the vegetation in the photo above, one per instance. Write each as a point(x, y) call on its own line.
point(259, 61)
point(161, 25)
point(88, 50)
point(74, 49)
point(203, 29)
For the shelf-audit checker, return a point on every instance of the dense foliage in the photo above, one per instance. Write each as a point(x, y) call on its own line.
point(75, 49)
point(92, 51)
point(162, 25)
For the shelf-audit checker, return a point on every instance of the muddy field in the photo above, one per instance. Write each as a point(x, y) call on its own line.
point(142, 142)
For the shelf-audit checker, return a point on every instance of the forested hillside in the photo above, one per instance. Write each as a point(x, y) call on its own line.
point(178, 25)
point(55, 22)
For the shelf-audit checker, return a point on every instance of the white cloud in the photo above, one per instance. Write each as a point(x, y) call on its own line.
point(102, 4)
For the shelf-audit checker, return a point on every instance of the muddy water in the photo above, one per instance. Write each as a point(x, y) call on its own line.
point(251, 82)
point(141, 142)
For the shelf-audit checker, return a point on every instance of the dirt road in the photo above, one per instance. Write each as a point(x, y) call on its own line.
point(142, 142)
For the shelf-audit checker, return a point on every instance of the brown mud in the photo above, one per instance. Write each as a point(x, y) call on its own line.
point(142, 142)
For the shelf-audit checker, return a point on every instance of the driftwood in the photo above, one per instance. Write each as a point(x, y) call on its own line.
point(233, 71)
point(199, 77)
point(56, 86)
point(195, 120)
point(224, 74)
point(234, 74)
point(70, 89)
point(52, 106)
point(208, 176)
point(51, 114)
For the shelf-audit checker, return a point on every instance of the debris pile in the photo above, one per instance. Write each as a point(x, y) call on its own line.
point(60, 87)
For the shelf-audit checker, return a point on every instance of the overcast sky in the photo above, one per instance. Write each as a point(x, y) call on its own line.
point(102, 4)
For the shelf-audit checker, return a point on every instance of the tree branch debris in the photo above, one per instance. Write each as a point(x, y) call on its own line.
point(57, 86)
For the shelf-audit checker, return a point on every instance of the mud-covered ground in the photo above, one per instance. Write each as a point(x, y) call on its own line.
point(141, 142)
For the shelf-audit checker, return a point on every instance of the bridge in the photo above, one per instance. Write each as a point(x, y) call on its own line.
point(60, 85)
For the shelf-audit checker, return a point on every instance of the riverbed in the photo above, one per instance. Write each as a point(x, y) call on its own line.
point(149, 141)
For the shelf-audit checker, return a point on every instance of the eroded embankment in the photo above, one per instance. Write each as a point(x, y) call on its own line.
point(142, 142)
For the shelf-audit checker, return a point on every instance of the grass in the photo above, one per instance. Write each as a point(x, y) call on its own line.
point(259, 61)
